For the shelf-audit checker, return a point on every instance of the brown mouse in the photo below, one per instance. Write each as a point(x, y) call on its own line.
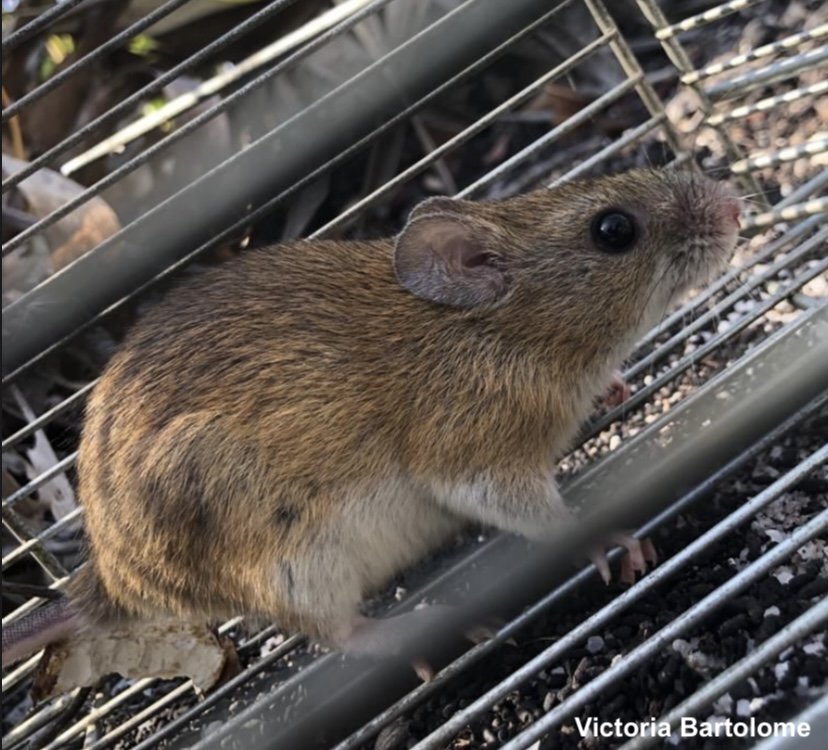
point(280, 436)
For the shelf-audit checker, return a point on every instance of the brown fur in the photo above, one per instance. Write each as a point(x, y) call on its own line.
point(282, 434)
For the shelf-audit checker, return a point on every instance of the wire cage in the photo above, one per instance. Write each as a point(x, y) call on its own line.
point(289, 118)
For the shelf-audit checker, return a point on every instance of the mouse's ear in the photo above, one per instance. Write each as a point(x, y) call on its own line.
point(447, 258)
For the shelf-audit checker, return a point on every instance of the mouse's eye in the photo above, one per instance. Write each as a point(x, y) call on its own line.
point(614, 231)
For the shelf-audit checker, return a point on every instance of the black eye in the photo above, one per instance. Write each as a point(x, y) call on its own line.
point(614, 231)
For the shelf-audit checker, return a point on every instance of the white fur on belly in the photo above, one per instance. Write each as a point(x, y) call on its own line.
point(379, 531)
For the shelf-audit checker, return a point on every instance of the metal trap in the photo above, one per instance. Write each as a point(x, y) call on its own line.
point(291, 118)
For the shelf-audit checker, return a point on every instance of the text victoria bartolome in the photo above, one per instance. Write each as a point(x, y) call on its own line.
point(689, 726)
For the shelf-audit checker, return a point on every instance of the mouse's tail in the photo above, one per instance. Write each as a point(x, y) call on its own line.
point(36, 630)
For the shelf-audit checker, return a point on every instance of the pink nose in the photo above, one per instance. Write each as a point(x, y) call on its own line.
point(732, 210)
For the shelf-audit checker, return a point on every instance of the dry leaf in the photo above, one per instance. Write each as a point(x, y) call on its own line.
point(163, 650)
point(77, 233)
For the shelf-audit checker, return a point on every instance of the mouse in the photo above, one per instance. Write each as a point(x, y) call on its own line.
point(281, 435)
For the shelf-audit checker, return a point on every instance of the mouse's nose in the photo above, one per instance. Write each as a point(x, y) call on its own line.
point(732, 209)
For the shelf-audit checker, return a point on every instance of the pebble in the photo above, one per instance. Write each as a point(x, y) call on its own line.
point(557, 678)
point(682, 646)
point(595, 644)
point(783, 575)
point(814, 648)
point(724, 704)
point(733, 625)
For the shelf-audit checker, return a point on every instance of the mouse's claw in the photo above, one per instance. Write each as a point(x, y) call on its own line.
point(486, 630)
point(598, 556)
point(423, 669)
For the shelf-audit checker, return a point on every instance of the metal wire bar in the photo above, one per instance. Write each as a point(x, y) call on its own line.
point(48, 415)
point(132, 164)
point(31, 604)
point(768, 74)
point(58, 78)
point(702, 19)
point(645, 586)
point(41, 479)
point(679, 57)
point(817, 207)
point(816, 716)
point(71, 709)
point(24, 729)
point(151, 88)
point(258, 637)
point(764, 105)
point(774, 158)
point(97, 712)
point(474, 655)
point(169, 729)
point(759, 656)
point(101, 711)
point(137, 267)
point(799, 253)
point(807, 189)
point(40, 23)
point(35, 542)
point(618, 145)
point(689, 360)
point(631, 67)
point(766, 50)
point(464, 135)
point(19, 673)
point(13, 677)
point(771, 249)
point(35, 721)
point(15, 524)
point(557, 132)
point(312, 30)
point(684, 622)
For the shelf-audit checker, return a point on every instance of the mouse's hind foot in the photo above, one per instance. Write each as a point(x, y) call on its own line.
point(639, 553)
point(409, 635)
point(617, 392)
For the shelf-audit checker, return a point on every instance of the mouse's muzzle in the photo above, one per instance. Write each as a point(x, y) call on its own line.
point(705, 227)
point(729, 207)
point(716, 211)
